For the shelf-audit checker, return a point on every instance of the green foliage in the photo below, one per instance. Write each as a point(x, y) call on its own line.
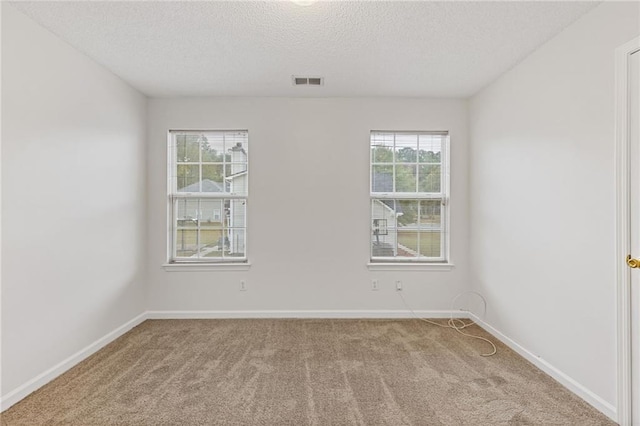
point(429, 176)
point(383, 154)
point(428, 156)
point(188, 149)
point(406, 155)
point(409, 210)
point(425, 176)
point(415, 171)
point(429, 211)
point(405, 178)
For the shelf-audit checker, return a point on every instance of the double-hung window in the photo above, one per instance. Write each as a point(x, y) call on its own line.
point(409, 196)
point(208, 194)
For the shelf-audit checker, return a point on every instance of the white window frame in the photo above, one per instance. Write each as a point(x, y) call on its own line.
point(443, 195)
point(173, 196)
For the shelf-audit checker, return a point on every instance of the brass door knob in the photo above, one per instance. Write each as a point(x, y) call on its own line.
point(633, 263)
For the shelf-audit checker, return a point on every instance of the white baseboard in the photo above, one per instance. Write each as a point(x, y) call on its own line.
point(32, 385)
point(600, 404)
point(19, 393)
point(42, 379)
point(300, 314)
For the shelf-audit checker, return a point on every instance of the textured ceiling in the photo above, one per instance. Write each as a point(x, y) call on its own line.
point(436, 49)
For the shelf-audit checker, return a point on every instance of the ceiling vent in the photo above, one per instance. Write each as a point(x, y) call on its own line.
point(307, 81)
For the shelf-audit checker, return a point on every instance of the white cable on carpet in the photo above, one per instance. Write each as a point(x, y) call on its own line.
point(451, 323)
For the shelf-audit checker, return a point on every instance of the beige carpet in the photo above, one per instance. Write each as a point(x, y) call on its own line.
point(301, 372)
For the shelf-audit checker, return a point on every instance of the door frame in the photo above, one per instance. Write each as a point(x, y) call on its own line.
point(623, 239)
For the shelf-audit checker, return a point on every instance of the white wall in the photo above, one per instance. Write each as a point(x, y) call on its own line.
point(73, 204)
point(543, 198)
point(308, 212)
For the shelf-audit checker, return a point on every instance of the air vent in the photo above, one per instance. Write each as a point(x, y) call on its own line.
point(307, 81)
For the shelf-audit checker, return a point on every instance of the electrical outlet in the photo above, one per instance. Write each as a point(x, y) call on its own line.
point(375, 285)
point(398, 285)
point(243, 286)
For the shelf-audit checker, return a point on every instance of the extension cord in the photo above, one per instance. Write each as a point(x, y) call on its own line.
point(452, 321)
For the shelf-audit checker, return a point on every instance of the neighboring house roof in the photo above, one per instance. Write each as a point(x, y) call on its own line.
point(207, 186)
point(235, 175)
point(389, 204)
point(383, 182)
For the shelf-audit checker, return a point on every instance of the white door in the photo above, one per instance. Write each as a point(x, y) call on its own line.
point(634, 139)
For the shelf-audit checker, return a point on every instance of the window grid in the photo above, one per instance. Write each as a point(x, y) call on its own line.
point(409, 238)
point(215, 200)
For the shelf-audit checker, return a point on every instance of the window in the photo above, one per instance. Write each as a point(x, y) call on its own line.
point(409, 196)
point(208, 193)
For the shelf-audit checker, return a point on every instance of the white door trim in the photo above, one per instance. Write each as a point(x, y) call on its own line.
point(623, 240)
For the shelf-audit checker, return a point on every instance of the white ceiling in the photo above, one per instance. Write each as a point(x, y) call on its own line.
point(434, 49)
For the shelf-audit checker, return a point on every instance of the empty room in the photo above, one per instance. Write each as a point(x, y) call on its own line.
point(320, 213)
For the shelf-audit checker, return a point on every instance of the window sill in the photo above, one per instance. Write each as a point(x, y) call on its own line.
point(200, 267)
point(405, 266)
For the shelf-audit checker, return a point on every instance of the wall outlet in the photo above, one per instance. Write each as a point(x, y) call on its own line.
point(243, 286)
point(398, 285)
point(375, 285)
